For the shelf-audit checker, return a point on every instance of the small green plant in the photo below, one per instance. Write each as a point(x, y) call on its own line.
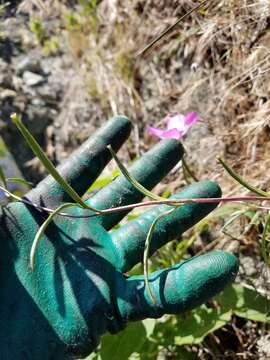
point(174, 333)
point(37, 28)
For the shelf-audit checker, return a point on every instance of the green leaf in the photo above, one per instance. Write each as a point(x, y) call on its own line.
point(47, 162)
point(13, 196)
point(195, 326)
point(245, 303)
point(103, 181)
point(147, 249)
point(43, 228)
point(241, 181)
point(99, 183)
point(188, 170)
point(126, 342)
point(131, 179)
point(149, 325)
point(19, 181)
point(2, 177)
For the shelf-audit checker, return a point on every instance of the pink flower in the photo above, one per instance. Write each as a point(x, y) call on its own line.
point(177, 126)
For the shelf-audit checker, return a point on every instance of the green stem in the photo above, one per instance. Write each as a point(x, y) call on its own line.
point(241, 181)
point(147, 249)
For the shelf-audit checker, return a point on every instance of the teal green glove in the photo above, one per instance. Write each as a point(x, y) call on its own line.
point(78, 290)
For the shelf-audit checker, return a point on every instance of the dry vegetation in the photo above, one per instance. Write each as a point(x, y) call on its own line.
point(216, 62)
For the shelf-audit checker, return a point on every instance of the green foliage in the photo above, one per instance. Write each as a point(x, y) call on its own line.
point(103, 181)
point(243, 182)
point(3, 149)
point(131, 179)
point(49, 42)
point(245, 303)
point(240, 180)
point(129, 341)
point(88, 6)
point(193, 328)
point(2, 177)
point(173, 332)
point(84, 18)
point(51, 46)
point(145, 339)
point(37, 28)
point(37, 150)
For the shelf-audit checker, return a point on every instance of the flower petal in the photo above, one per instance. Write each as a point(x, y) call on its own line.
point(172, 134)
point(191, 118)
point(165, 134)
point(155, 131)
point(177, 126)
point(175, 122)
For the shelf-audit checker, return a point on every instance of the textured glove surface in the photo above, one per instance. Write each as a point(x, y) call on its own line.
point(77, 290)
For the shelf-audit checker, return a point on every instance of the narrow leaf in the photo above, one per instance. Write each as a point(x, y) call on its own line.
point(188, 170)
point(47, 162)
point(131, 179)
point(19, 181)
point(2, 177)
point(43, 228)
point(147, 249)
point(241, 181)
point(8, 193)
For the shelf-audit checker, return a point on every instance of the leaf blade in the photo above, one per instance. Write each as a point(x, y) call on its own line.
point(47, 162)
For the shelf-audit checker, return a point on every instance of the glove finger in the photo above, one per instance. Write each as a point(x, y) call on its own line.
point(129, 240)
point(148, 170)
point(84, 165)
point(177, 289)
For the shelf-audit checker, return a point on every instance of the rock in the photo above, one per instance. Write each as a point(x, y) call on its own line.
point(28, 64)
point(32, 79)
point(248, 266)
point(7, 93)
point(263, 345)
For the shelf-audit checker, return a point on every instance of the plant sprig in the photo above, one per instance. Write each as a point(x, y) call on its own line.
point(155, 199)
point(42, 229)
point(131, 178)
point(47, 162)
point(170, 28)
point(147, 249)
point(240, 180)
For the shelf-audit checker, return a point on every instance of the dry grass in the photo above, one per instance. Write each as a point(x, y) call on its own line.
point(217, 62)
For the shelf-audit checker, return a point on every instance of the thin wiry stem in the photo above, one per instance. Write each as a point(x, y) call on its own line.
point(238, 199)
point(170, 28)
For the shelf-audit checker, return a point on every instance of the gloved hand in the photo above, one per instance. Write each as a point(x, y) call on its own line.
point(78, 289)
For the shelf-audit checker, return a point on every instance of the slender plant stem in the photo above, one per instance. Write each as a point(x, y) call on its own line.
point(237, 199)
point(240, 180)
point(170, 28)
point(188, 170)
point(147, 249)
